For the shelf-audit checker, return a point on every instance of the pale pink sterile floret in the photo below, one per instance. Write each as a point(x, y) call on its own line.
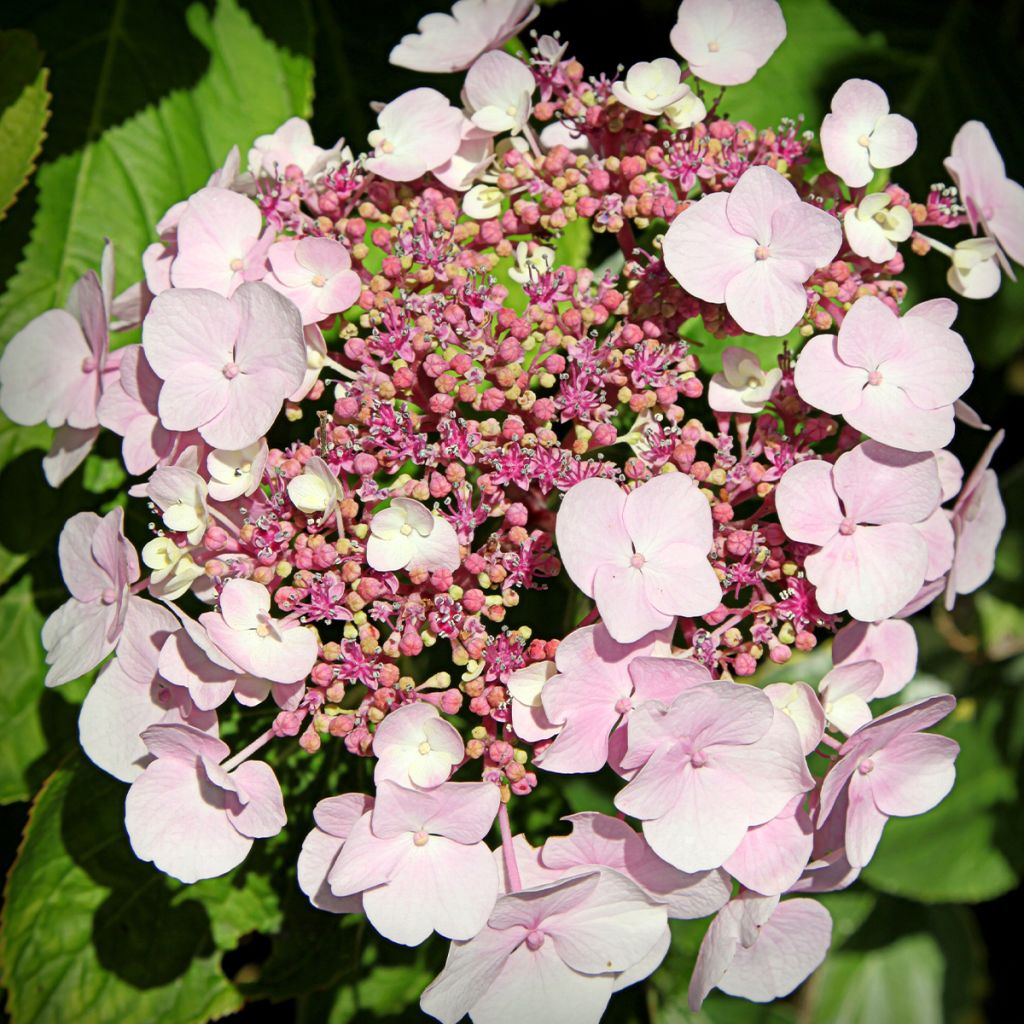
point(98, 565)
point(129, 407)
point(893, 378)
point(713, 763)
point(598, 840)
point(801, 705)
point(891, 643)
point(726, 41)
point(292, 145)
point(978, 518)
point(415, 133)
point(554, 952)
point(220, 242)
point(470, 160)
point(860, 135)
point(335, 818)
point(599, 684)
point(741, 386)
point(642, 556)
point(191, 817)
point(860, 514)
point(752, 249)
point(760, 949)
point(771, 857)
point(179, 493)
point(451, 42)
point(54, 371)
point(405, 535)
point(651, 87)
point(253, 639)
point(845, 692)
point(420, 861)
point(498, 92)
point(227, 364)
point(889, 768)
point(130, 695)
point(316, 274)
point(415, 746)
point(993, 200)
point(190, 659)
point(525, 686)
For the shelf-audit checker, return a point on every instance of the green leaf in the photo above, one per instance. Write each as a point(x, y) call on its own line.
point(820, 48)
point(21, 683)
point(385, 991)
point(122, 181)
point(90, 933)
point(24, 111)
point(573, 247)
point(962, 850)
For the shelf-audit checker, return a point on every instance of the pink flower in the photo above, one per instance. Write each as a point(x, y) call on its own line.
point(771, 857)
point(245, 631)
point(642, 556)
point(192, 818)
point(316, 274)
point(420, 861)
point(726, 41)
point(98, 565)
point(860, 513)
point(712, 764)
point(469, 161)
point(598, 840)
point(599, 683)
point(128, 406)
point(892, 644)
point(227, 364)
point(415, 133)
point(292, 145)
point(55, 369)
point(992, 199)
point(498, 92)
point(979, 518)
point(651, 87)
point(742, 386)
point(525, 686)
point(845, 692)
point(860, 134)
point(553, 952)
point(130, 695)
point(335, 818)
point(893, 378)
point(415, 746)
point(406, 536)
point(760, 949)
point(889, 769)
point(451, 42)
point(800, 704)
point(220, 241)
point(753, 249)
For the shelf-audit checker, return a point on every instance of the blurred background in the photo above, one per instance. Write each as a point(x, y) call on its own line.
point(140, 101)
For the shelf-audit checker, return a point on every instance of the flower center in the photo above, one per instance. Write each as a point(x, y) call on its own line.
point(534, 940)
point(623, 706)
point(762, 252)
point(319, 280)
point(236, 264)
point(875, 377)
point(387, 147)
point(231, 370)
point(89, 364)
point(405, 530)
point(847, 526)
point(510, 110)
point(753, 382)
point(864, 140)
point(714, 46)
point(637, 560)
point(651, 94)
point(109, 596)
point(866, 767)
point(420, 838)
point(424, 747)
point(698, 759)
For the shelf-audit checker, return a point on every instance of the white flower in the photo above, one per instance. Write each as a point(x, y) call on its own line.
point(233, 474)
point(316, 489)
point(173, 569)
point(875, 226)
point(690, 110)
point(741, 386)
point(974, 270)
point(529, 266)
point(651, 87)
point(482, 202)
point(406, 536)
point(499, 91)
